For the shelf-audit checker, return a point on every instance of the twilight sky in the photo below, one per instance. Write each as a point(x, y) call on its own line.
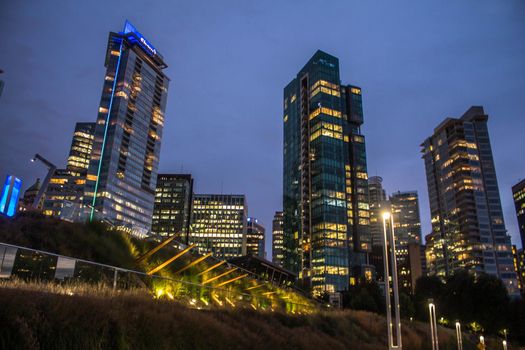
point(229, 62)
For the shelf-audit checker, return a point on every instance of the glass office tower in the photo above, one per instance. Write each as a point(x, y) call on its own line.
point(219, 224)
point(518, 193)
point(122, 173)
point(172, 209)
point(255, 241)
point(277, 238)
point(467, 219)
point(65, 192)
point(325, 200)
point(407, 227)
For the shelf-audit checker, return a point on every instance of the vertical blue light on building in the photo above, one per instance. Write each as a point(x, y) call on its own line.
point(10, 194)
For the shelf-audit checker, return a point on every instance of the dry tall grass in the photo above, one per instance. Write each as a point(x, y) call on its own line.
point(38, 318)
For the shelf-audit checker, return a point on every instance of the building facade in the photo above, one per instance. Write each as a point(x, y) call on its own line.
point(255, 241)
point(219, 224)
point(122, 173)
point(325, 190)
point(467, 220)
point(64, 195)
point(172, 209)
point(407, 227)
point(518, 193)
point(277, 238)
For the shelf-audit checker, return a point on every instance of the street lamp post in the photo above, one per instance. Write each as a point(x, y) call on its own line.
point(433, 325)
point(504, 342)
point(388, 241)
point(458, 336)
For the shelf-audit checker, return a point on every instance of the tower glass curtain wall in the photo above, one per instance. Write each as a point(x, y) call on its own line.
point(378, 204)
point(255, 238)
point(467, 219)
point(65, 191)
point(122, 172)
point(407, 228)
point(172, 209)
point(219, 224)
point(518, 192)
point(277, 238)
point(325, 201)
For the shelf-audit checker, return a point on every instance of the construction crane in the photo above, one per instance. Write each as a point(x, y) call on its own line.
point(51, 171)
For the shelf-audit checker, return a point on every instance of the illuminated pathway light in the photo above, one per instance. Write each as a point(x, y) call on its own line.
point(169, 261)
point(257, 286)
point(232, 280)
point(219, 276)
point(193, 263)
point(212, 268)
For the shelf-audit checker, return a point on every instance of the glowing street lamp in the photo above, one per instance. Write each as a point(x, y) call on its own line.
point(458, 336)
point(388, 241)
point(504, 342)
point(433, 324)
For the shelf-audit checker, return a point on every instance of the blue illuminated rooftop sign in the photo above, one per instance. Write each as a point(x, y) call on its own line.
point(10, 194)
point(141, 40)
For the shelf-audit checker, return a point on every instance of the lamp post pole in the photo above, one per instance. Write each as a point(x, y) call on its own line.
point(389, 251)
point(458, 336)
point(433, 324)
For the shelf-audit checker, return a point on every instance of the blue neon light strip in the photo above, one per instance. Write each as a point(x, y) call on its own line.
point(5, 193)
point(106, 127)
point(14, 197)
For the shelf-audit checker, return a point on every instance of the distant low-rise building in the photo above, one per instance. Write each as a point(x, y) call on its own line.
point(219, 224)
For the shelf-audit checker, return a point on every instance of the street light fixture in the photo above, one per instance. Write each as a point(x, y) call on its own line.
point(389, 242)
point(458, 336)
point(433, 325)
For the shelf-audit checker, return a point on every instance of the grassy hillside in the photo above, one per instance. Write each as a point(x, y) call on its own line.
point(35, 319)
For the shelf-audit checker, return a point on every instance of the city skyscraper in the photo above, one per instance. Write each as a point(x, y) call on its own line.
point(518, 193)
point(404, 207)
point(255, 241)
point(378, 202)
point(65, 191)
point(467, 219)
point(172, 209)
point(277, 238)
point(219, 224)
point(122, 173)
point(325, 199)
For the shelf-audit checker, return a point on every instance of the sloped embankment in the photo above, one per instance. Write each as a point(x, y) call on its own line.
point(35, 319)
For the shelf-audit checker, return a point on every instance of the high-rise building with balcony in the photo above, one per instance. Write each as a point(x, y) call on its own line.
point(255, 241)
point(65, 192)
point(404, 207)
point(467, 219)
point(518, 193)
point(378, 203)
point(122, 173)
point(325, 199)
point(219, 224)
point(172, 209)
point(277, 238)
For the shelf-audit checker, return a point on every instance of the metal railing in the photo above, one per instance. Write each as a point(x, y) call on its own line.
point(39, 266)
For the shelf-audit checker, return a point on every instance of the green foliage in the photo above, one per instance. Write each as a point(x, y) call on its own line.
point(480, 301)
point(365, 296)
point(92, 241)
